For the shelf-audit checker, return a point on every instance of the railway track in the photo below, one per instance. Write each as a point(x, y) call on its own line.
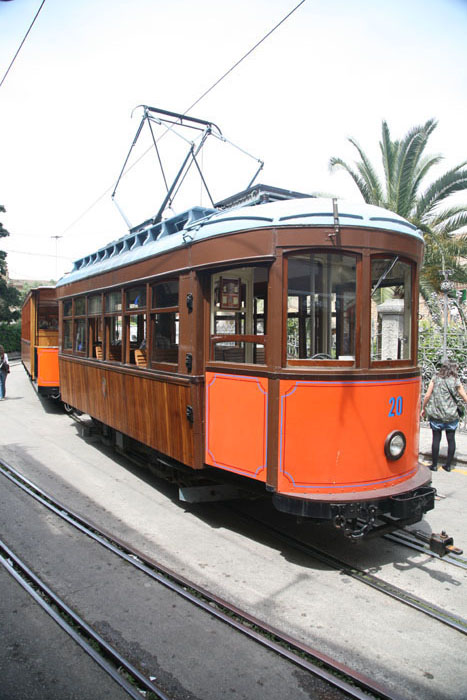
point(342, 678)
point(103, 653)
point(443, 616)
point(406, 539)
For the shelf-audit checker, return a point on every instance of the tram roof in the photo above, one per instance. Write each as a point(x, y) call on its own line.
point(200, 223)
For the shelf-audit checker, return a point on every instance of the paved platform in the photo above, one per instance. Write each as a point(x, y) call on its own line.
point(460, 460)
point(210, 545)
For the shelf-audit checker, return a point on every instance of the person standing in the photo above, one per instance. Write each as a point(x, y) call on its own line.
point(4, 369)
point(440, 405)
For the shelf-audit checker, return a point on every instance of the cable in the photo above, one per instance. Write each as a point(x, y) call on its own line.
point(21, 45)
point(245, 56)
point(42, 255)
point(219, 80)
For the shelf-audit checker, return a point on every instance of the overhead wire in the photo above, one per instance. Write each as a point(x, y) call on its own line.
point(42, 255)
point(196, 102)
point(22, 43)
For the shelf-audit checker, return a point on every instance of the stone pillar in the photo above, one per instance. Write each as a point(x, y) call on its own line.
point(391, 313)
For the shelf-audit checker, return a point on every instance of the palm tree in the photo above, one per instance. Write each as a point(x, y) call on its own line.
point(405, 168)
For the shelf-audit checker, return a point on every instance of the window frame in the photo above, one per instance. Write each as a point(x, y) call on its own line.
point(153, 311)
point(107, 316)
point(67, 319)
point(412, 360)
point(127, 313)
point(332, 363)
point(256, 339)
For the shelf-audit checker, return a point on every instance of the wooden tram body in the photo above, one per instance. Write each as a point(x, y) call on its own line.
point(273, 337)
point(39, 340)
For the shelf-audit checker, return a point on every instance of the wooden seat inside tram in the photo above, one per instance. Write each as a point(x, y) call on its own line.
point(140, 358)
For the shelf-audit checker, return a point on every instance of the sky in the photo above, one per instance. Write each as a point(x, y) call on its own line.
point(334, 69)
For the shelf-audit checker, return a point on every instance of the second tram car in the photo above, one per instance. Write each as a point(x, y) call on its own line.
point(273, 336)
point(39, 340)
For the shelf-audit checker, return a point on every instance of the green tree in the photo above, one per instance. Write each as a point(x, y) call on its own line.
point(405, 167)
point(9, 295)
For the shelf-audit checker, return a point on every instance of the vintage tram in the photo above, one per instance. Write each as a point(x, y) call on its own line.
point(39, 340)
point(272, 336)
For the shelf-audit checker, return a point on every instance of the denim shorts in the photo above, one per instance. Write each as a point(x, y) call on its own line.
point(438, 425)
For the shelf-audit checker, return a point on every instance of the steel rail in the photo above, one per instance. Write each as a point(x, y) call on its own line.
point(23, 575)
point(455, 622)
point(242, 621)
point(405, 539)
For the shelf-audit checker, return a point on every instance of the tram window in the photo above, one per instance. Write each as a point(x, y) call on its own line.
point(238, 315)
point(165, 294)
point(48, 318)
point(95, 304)
point(391, 309)
point(321, 307)
point(80, 335)
point(67, 308)
point(113, 338)
point(165, 322)
point(136, 339)
point(95, 337)
point(165, 337)
point(67, 335)
point(136, 298)
point(80, 306)
point(113, 302)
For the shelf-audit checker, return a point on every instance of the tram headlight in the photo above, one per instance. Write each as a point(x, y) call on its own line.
point(394, 446)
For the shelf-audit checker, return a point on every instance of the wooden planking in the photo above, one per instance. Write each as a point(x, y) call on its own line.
point(152, 411)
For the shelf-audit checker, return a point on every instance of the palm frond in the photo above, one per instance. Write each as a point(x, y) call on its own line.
point(454, 180)
point(360, 182)
point(410, 153)
point(389, 152)
point(368, 173)
point(423, 168)
point(449, 221)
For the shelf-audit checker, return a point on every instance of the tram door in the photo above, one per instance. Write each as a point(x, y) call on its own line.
point(236, 392)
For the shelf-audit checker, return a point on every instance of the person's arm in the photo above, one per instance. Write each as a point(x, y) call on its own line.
point(462, 392)
point(427, 397)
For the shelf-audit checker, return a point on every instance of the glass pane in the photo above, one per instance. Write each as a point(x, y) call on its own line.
point(80, 335)
point(239, 307)
point(165, 337)
point(80, 306)
point(113, 328)
point(95, 337)
point(137, 329)
point(67, 328)
point(136, 298)
point(113, 302)
point(48, 318)
point(67, 308)
point(391, 304)
point(229, 323)
point(165, 294)
point(250, 353)
point(95, 304)
point(321, 306)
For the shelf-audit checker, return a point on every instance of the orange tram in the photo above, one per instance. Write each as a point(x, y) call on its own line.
point(272, 336)
point(39, 340)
